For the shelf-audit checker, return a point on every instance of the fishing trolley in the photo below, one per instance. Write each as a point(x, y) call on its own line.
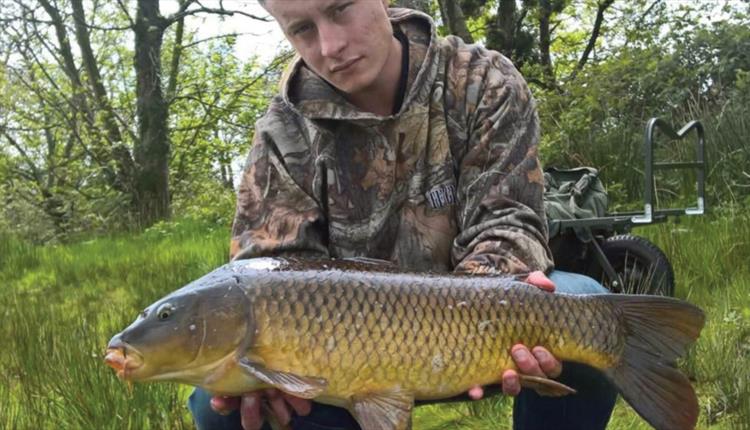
point(585, 238)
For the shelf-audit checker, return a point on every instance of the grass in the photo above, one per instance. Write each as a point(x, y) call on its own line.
point(59, 306)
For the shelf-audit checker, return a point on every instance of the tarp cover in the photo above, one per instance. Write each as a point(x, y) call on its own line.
point(573, 194)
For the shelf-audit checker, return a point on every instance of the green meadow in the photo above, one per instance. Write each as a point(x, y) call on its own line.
point(60, 304)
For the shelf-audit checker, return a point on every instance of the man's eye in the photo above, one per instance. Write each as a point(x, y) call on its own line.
point(342, 8)
point(301, 29)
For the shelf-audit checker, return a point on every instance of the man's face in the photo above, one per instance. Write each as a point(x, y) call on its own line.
point(346, 42)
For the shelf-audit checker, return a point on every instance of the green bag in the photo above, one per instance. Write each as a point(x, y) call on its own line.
point(573, 194)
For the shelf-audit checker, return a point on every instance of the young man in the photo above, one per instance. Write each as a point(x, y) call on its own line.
point(389, 142)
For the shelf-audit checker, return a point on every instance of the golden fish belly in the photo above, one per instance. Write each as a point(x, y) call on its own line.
point(432, 336)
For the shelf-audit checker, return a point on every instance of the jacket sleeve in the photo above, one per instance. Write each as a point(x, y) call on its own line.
point(502, 227)
point(275, 215)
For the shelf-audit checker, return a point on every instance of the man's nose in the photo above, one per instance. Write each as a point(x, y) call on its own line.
point(332, 40)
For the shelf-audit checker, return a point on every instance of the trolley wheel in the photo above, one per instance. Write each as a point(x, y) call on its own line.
point(642, 266)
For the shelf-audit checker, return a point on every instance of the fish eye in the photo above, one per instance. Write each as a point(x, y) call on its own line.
point(165, 311)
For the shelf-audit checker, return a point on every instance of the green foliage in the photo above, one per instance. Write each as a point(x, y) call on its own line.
point(214, 113)
point(710, 266)
point(59, 178)
point(60, 174)
point(211, 202)
point(688, 72)
point(62, 303)
point(651, 59)
point(63, 174)
point(60, 306)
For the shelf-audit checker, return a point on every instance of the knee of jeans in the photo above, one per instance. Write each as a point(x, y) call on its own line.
point(576, 283)
point(325, 417)
point(205, 418)
point(591, 286)
point(198, 401)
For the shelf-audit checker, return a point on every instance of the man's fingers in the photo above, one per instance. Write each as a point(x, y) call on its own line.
point(540, 280)
point(549, 364)
point(300, 406)
point(476, 392)
point(279, 406)
point(250, 412)
point(511, 383)
point(525, 361)
point(224, 405)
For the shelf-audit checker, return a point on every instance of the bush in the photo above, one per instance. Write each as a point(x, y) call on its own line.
point(598, 120)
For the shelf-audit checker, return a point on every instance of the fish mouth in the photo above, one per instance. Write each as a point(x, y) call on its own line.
point(124, 359)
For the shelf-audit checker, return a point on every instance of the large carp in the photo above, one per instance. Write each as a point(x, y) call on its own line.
point(362, 336)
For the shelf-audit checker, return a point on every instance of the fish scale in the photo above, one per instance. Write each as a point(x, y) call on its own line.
point(456, 334)
point(363, 336)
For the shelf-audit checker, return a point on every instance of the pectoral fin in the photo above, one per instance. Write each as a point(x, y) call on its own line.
point(300, 386)
point(383, 410)
point(545, 386)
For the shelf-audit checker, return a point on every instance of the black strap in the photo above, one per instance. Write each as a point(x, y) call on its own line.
point(403, 79)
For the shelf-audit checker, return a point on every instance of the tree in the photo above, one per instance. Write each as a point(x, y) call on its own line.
point(113, 114)
point(46, 121)
point(525, 30)
point(503, 34)
point(72, 148)
point(421, 5)
point(454, 19)
point(134, 161)
point(151, 150)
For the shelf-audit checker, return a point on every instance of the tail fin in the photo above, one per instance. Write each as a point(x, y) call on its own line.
point(658, 330)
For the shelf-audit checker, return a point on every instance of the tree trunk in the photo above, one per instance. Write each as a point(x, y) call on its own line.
point(69, 66)
point(123, 177)
point(502, 32)
point(92, 69)
point(174, 65)
point(545, 11)
point(152, 146)
point(601, 7)
point(454, 19)
point(78, 98)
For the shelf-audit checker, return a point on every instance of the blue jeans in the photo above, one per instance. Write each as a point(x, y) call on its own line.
point(589, 409)
point(322, 417)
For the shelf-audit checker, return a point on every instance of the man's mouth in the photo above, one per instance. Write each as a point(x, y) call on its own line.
point(345, 65)
point(123, 359)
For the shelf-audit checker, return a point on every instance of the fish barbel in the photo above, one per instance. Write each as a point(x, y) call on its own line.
point(360, 335)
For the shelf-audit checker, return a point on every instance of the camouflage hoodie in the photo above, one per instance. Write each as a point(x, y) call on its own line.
point(451, 181)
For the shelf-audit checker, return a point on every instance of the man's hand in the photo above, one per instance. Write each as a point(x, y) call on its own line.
point(282, 405)
point(540, 280)
point(535, 362)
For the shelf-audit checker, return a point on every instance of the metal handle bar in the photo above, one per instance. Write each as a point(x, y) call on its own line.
point(650, 166)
